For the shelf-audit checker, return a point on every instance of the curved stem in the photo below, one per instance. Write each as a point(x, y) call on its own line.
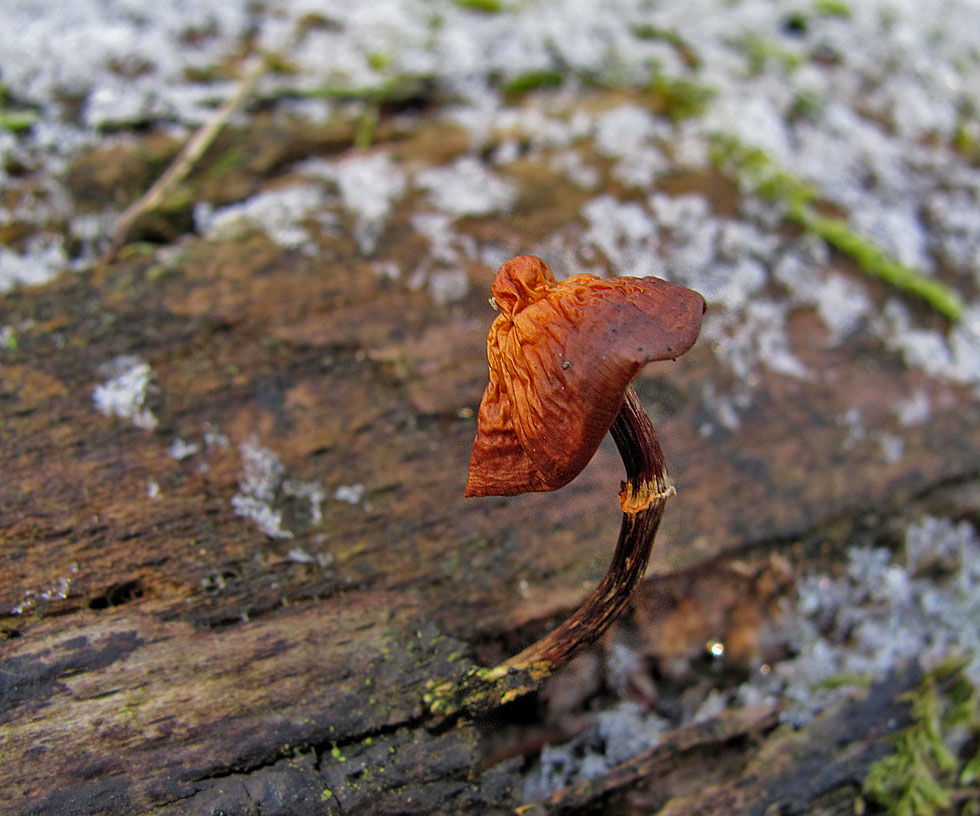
point(644, 494)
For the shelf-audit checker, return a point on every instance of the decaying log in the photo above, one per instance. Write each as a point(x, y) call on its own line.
point(164, 649)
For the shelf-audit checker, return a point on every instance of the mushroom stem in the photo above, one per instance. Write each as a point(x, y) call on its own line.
point(644, 494)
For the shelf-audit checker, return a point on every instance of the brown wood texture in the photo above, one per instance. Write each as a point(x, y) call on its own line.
point(161, 653)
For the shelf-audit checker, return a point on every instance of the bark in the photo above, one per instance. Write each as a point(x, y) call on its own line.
point(161, 652)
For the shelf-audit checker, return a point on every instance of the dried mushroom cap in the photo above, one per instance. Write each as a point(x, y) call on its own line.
point(561, 358)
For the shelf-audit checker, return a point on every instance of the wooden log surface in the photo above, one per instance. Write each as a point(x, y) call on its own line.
point(164, 652)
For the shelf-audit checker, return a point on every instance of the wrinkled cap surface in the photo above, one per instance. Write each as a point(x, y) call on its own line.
point(561, 358)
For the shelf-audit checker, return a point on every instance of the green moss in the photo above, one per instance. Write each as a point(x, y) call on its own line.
point(379, 61)
point(138, 249)
point(760, 52)
point(873, 261)
point(397, 88)
point(756, 169)
point(17, 120)
point(182, 198)
point(276, 63)
point(764, 177)
point(645, 31)
point(966, 141)
point(202, 73)
point(679, 98)
point(366, 125)
point(486, 6)
point(315, 21)
point(533, 81)
point(860, 679)
point(925, 773)
point(13, 117)
point(806, 105)
point(833, 8)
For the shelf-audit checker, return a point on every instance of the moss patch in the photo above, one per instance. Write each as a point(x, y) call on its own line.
point(764, 177)
point(533, 81)
point(678, 98)
point(936, 762)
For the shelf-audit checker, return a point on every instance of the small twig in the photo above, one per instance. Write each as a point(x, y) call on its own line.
point(185, 160)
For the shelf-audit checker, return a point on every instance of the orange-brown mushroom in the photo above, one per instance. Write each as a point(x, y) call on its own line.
point(562, 356)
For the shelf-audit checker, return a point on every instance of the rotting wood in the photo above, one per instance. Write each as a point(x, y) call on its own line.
point(164, 649)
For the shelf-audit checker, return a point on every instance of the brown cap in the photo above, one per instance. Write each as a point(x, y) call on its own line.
point(561, 358)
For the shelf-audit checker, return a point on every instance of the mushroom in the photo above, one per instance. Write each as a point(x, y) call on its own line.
point(562, 356)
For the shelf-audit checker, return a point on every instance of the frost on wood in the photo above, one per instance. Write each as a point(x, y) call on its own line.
point(264, 491)
point(873, 111)
point(124, 393)
point(618, 734)
point(352, 494)
point(442, 271)
point(886, 609)
point(180, 449)
point(755, 336)
point(259, 484)
point(624, 233)
point(368, 187)
point(71, 49)
point(919, 603)
point(627, 134)
point(313, 492)
point(955, 356)
point(900, 79)
point(916, 410)
point(280, 213)
point(43, 259)
point(466, 187)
